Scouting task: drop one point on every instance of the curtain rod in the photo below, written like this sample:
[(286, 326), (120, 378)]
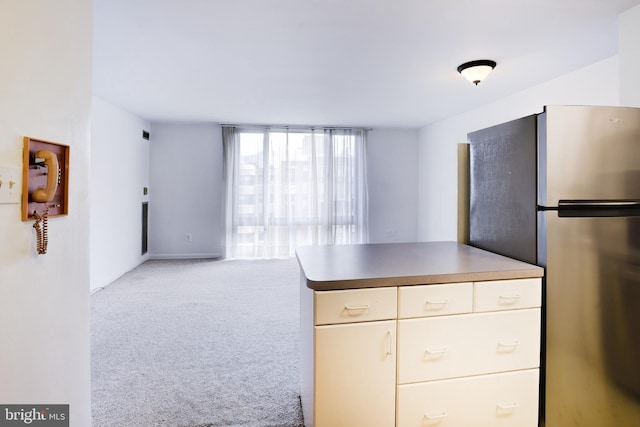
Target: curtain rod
[(294, 127)]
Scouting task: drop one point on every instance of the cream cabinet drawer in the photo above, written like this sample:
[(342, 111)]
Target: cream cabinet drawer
[(467, 344), (507, 399), (435, 300), (355, 305), (507, 294)]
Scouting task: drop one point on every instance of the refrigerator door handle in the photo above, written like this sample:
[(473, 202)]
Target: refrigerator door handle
[(596, 208), (599, 204)]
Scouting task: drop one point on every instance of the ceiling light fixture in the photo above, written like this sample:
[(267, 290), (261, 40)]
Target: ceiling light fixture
[(476, 71)]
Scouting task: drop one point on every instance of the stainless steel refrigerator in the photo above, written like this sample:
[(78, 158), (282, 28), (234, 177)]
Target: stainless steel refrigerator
[(561, 189)]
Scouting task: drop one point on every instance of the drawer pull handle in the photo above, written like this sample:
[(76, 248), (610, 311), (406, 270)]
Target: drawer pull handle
[(389, 343), (436, 416), (437, 350), (508, 343), (437, 301), (508, 299), (356, 307), (513, 405)]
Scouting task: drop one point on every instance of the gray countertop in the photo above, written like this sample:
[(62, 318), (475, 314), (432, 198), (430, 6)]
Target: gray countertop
[(393, 264)]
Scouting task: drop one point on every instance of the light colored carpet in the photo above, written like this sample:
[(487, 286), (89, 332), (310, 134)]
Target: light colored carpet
[(187, 343)]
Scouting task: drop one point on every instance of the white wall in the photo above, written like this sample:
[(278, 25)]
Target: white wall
[(438, 188), (45, 86), (185, 191), (392, 163), (119, 171), (630, 57)]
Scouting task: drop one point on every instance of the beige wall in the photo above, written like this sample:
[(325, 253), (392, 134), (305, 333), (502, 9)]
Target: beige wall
[(45, 93), (463, 192)]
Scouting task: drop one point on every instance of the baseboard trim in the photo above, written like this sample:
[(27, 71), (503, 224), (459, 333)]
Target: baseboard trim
[(184, 256)]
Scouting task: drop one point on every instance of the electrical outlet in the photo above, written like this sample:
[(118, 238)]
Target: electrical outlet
[(10, 184), (187, 237)]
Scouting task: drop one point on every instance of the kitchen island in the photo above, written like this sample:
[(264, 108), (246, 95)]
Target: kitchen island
[(411, 334)]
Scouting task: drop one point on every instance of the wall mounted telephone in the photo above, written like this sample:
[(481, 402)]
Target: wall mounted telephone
[(44, 185), (45, 194)]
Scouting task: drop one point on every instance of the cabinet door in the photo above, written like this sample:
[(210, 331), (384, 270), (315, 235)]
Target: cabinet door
[(355, 375)]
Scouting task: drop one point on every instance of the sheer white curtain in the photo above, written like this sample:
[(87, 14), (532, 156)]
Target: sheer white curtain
[(290, 187)]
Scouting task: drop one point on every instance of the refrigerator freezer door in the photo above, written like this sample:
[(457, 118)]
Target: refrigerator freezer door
[(502, 216), (587, 152), (592, 349)]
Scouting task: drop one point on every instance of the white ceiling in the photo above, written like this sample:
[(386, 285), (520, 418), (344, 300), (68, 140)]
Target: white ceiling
[(377, 63)]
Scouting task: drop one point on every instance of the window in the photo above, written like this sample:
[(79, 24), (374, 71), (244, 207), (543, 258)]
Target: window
[(287, 188)]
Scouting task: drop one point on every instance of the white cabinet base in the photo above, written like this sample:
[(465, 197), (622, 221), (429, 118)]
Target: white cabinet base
[(450, 355)]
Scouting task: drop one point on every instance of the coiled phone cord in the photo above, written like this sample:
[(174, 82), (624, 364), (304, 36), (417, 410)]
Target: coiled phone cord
[(42, 237)]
